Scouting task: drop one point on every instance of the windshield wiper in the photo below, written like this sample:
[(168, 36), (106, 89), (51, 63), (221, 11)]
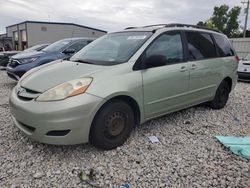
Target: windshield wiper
[(82, 61)]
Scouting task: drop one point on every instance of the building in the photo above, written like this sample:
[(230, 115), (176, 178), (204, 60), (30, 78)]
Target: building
[(5, 42), (30, 33)]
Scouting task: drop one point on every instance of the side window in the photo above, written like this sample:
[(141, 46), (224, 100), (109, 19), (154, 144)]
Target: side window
[(78, 45), (200, 46), (168, 45), (223, 45)]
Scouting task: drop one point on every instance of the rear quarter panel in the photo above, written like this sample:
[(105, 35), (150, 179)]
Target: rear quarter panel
[(228, 69)]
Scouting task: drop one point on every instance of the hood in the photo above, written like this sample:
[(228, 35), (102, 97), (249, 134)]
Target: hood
[(24, 55), (244, 62), (51, 75), (9, 53)]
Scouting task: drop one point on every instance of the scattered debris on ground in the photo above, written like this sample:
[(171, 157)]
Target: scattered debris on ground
[(187, 156)]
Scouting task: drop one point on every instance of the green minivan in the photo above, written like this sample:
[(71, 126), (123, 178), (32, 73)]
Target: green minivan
[(123, 79)]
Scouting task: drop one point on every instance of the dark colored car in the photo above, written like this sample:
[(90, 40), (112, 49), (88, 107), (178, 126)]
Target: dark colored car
[(38, 47), (5, 56), (62, 49)]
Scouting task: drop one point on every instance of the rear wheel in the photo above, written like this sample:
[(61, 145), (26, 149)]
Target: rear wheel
[(112, 125), (221, 96)]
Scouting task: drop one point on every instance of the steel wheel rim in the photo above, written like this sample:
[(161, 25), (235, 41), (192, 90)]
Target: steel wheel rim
[(114, 124)]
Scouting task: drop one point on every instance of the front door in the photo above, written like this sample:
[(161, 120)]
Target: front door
[(165, 87)]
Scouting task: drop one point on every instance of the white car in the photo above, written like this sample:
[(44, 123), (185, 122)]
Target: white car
[(244, 68)]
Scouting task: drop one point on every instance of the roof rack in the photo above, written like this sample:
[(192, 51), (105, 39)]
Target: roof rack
[(177, 25), (130, 28), (193, 26)]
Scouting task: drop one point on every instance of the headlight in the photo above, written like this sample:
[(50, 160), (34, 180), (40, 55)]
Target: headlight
[(65, 90), (27, 60)]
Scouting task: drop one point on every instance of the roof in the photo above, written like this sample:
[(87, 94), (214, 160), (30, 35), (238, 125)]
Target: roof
[(59, 23), (178, 26)]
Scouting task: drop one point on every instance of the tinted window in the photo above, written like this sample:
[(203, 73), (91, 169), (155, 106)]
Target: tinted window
[(223, 45), (78, 45), (168, 45), (200, 46), (57, 46)]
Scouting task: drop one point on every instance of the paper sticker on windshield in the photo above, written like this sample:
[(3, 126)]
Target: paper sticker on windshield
[(137, 37)]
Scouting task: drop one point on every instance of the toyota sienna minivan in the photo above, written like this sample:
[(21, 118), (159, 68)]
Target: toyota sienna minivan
[(123, 79)]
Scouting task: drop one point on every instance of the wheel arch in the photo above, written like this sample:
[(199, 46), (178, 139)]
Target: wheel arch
[(130, 101), (229, 81)]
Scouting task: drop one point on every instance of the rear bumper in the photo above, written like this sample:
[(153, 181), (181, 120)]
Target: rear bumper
[(244, 76)]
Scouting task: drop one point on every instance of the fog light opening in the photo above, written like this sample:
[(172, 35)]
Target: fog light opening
[(58, 133)]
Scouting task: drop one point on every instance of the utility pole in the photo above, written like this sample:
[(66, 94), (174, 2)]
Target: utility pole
[(246, 19)]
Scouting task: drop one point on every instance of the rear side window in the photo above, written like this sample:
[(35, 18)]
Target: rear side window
[(200, 46), (223, 45), (168, 45)]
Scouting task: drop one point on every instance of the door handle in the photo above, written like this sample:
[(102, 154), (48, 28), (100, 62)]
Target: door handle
[(183, 69), (193, 66)]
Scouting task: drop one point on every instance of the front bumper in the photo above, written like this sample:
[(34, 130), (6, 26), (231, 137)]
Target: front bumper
[(244, 76), (69, 120), (2, 68), (14, 74)]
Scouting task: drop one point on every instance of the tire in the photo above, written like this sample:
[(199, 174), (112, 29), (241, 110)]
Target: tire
[(221, 96), (112, 125)]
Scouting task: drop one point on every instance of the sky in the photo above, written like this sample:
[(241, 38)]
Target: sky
[(110, 15)]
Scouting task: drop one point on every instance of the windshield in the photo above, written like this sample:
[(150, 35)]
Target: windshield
[(112, 49), (32, 48), (57, 46)]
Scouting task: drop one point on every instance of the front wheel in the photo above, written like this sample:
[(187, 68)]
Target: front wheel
[(112, 125), (221, 96)]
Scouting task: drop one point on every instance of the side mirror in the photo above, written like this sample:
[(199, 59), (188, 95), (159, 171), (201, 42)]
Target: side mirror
[(155, 61), (69, 51)]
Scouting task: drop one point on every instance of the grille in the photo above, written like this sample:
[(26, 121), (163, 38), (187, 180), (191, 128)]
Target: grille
[(26, 94), (246, 63), (13, 63)]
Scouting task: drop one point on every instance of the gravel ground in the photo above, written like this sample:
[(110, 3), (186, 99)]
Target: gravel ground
[(187, 155)]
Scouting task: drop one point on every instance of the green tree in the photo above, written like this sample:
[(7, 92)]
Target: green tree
[(220, 17), (224, 19)]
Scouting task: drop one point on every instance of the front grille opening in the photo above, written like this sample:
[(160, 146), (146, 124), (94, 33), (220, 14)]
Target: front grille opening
[(58, 132), (24, 98), (31, 91), (26, 94), (27, 127)]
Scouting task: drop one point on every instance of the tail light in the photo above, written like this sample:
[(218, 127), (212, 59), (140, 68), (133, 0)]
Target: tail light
[(237, 59)]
